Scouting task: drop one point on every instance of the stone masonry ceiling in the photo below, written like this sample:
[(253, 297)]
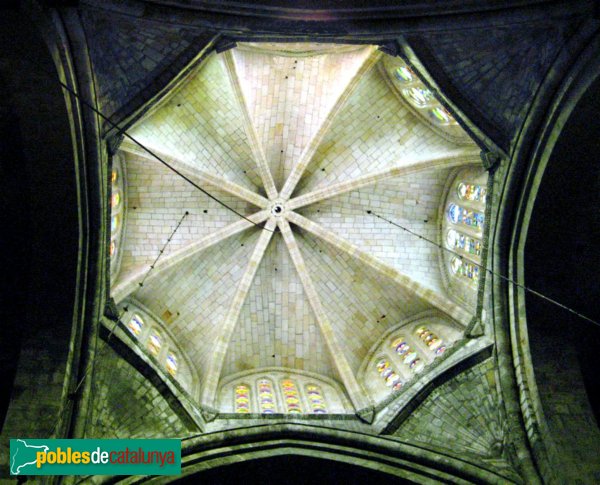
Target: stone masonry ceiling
[(303, 140)]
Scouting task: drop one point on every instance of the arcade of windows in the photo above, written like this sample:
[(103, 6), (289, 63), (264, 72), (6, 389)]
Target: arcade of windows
[(152, 341), (116, 213), (287, 397), (402, 353), (463, 228)]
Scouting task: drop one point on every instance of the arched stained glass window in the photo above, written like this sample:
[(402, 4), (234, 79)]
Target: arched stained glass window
[(291, 397), (466, 217), (135, 325), (418, 96), (409, 356), (172, 364), (114, 223), (265, 396), (464, 269), (154, 343), (441, 116), (463, 243), (116, 207), (386, 371), (115, 200), (242, 399), (405, 74), (472, 192), (316, 399), (434, 343)]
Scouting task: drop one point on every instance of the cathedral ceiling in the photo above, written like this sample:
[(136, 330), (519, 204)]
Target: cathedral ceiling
[(300, 141)]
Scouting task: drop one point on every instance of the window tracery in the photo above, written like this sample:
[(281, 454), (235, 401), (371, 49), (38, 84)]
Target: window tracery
[(472, 192), (171, 364), (433, 342), (291, 397), (405, 74), (441, 116), (116, 211), (154, 343), (135, 325), (408, 355), (464, 269), (388, 374), (266, 397), (422, 98), (316, 399), (467, 217), (463, 243), (297, 394), (463, 226), (242, 399), (419, 96)]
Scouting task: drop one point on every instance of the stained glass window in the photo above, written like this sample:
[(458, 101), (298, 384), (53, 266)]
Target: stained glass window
[(154, 343), (408, 355), (242, 399), (405, 74), (316, 399), (434, 343), (441, 116), (386, 371), (466, 217), (115, 199), (116, 219), (135, 325), (291, 397), (464, 269), (114, 223), (418, 96), (472, 192), (266, 397), (463, 243), (172, 364)]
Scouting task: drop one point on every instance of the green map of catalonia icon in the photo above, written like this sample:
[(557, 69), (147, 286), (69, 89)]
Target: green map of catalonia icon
[(24, 455)]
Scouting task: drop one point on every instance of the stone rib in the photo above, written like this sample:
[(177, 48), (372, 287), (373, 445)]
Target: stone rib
[(255, 146), (456, 159), (311, 148), (213, 373), (353, 388), (440, 302), (130, 282), (198, 176)]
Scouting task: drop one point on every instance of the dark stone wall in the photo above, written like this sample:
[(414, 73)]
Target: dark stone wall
[(127, 405), (133, 58), (462, 417), (39, 232), (562, 261), (493, 74)]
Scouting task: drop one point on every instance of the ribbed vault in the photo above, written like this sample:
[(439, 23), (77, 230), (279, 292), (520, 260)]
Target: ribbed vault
[(303, 140)]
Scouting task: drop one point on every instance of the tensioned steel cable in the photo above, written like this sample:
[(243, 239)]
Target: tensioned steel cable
[(160, 253), (505, 278), (125, 309), (150, 152)]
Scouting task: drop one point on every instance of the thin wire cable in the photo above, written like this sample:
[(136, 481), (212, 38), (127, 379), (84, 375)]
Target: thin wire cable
[(104, 344), (506, 278), (146, 149), (160, 253)]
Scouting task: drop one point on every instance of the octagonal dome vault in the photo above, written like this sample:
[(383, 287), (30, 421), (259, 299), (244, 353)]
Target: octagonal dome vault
[(289, 290)]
